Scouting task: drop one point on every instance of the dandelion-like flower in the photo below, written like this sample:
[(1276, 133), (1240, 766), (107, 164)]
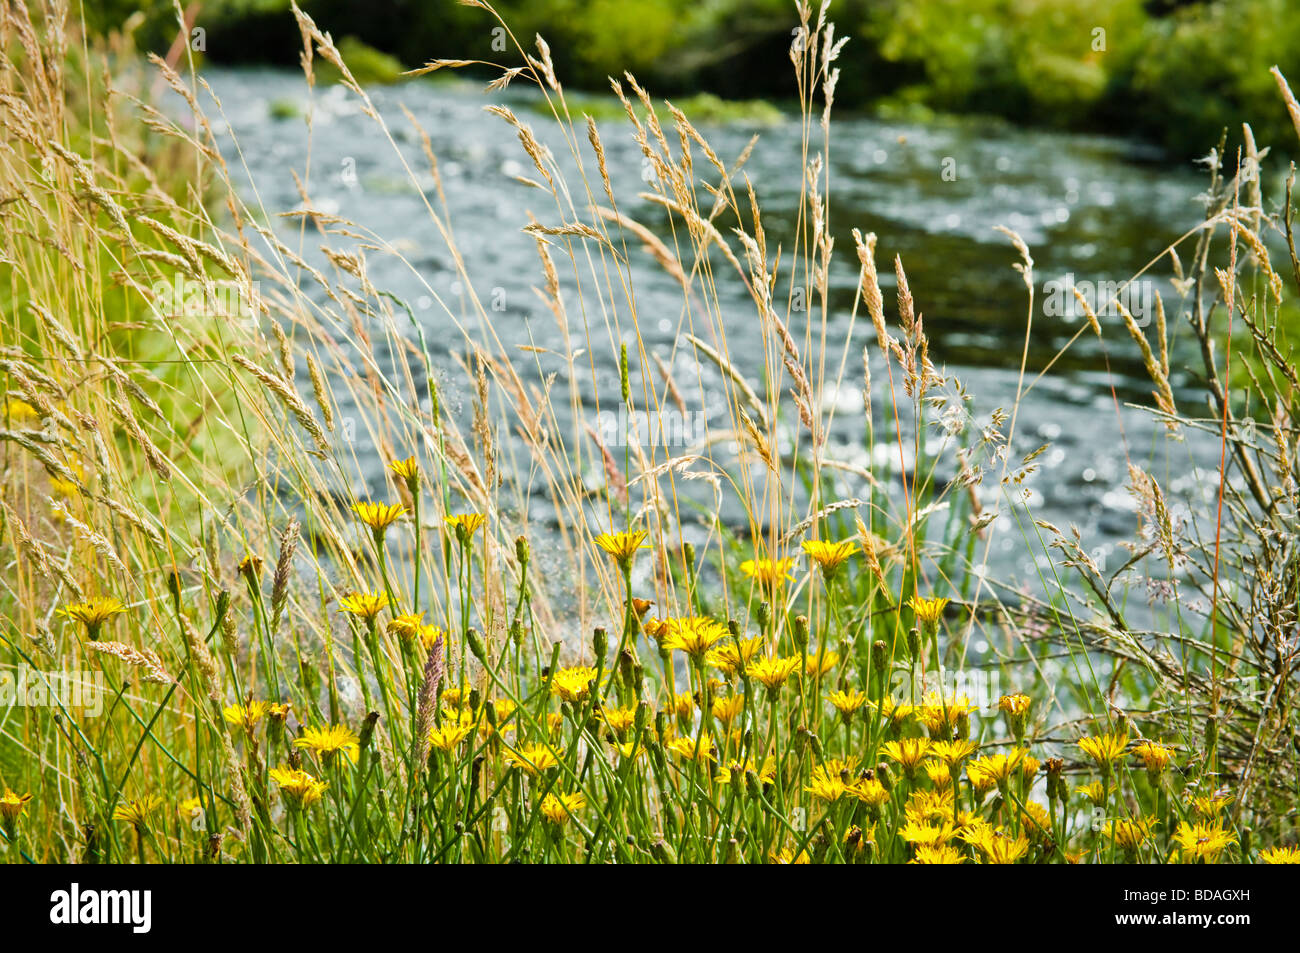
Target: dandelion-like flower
[(998, 768), (769, 573), (12, 805), (298, 788), (908, 752), (699, 749), (680, 705), (1280, 855), (250, 567), (819, 663), (766, 774), (945, 718), (408, 471), (870, 792), (378, 516), (573, 684), (927, 835), (1014, 705), (952, 753), (465, 525), (730, 657), (1210, 806), (728, 708), (828, 782), (329, 741), (1154, 757), (928, 611), (532, 759), (137, 812), (1105, 749), (894, 713), (847, 702), (364, 605), (446, 737), (997, 846), (93, 613), (937, 854), (773, 672), (940, 774), (559, 808), (1094, 792), (930, 806), (246, 716), (787, 856), (621, 547), (692, 636), (1203, 841), (1129, 835), (829, 556)]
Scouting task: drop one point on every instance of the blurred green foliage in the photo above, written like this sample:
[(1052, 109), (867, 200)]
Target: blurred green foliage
[(1176, 71)]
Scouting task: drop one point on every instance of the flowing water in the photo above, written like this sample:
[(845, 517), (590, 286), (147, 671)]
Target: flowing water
[(1092, 207)]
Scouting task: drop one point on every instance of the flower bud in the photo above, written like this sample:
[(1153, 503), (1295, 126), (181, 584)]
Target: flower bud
[(367, 732), (914, 643), (801, 632), (476, 646), (663, 852)]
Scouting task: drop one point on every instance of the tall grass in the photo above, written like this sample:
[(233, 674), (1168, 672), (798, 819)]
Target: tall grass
[(302, 668)]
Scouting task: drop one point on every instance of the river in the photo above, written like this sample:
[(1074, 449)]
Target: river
[(1095, 208)]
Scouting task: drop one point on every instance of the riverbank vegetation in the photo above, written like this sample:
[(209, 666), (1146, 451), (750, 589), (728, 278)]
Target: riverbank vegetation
[(1174, 72), (294, 666)]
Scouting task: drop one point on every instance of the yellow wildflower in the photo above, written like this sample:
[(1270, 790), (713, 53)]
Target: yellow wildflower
[(937, 854), (465, 525), (137, 812), (928, 611), (819, 663), (11, 805), (329, 741), (829, 556), (847, 702), (1203, 841), (908, 752), (447, 736), (621, 547), (769, 572), (693, 636), (773, 672), (406, 470), (94, 612), (693, 749), (1276, 855), (573, 684), (730, 657), (1105, 749), (298, 788), (558, 808), (533, 759), (1129, 835), (728, 709), (246, 716), (379, 516), (364, 605)]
